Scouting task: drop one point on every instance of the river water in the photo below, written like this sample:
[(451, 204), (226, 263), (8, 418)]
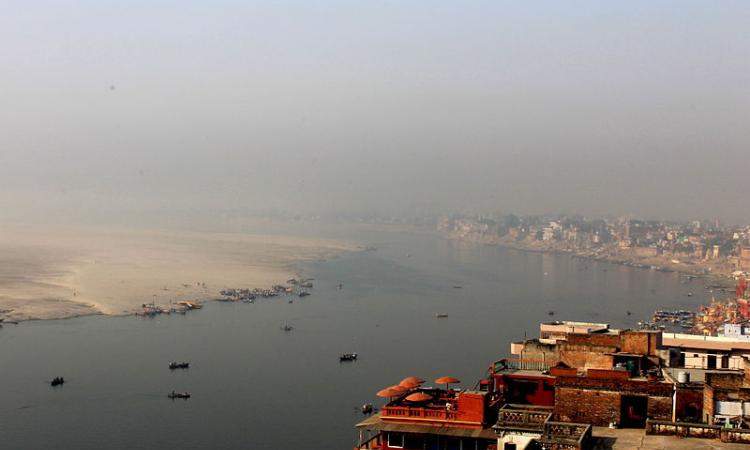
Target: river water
[(256, 386)]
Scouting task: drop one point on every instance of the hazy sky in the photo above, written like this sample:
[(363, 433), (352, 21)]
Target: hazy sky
[(639, 107)]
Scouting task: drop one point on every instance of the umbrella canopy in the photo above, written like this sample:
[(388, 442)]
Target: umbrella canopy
[(411, 382), (418, 397), (389, 392), (447, 380)]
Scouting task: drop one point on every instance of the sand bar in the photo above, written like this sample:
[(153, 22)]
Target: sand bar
[(59, 272)]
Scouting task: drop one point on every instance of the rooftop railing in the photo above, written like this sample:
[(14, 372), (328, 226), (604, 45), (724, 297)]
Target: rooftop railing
[(521, 364), (407, 412), (522, 419)]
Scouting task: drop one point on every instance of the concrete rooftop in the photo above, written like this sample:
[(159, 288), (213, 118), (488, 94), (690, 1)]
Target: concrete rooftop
[(633, 439)]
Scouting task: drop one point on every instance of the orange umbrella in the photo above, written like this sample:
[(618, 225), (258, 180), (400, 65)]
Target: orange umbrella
[(389, 392), (418, 397), (447, 381), (411, 382)]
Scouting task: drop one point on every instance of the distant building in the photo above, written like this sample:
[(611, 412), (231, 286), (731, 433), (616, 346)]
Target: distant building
[(744, 258), (707, 352)]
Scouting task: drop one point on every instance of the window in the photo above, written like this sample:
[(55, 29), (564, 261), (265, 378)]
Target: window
[(396, 440)]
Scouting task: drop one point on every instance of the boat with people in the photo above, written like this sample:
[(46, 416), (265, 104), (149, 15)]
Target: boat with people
[(347, 357), (57, 381), (181, 365), (173, 395)]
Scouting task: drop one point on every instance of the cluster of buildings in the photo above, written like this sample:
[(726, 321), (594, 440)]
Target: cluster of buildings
[(716, 247), (553, 391)]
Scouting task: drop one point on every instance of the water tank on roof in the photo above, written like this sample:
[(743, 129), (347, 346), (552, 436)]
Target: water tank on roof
[(683, 377)]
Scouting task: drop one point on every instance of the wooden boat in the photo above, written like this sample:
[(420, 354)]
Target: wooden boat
[(173, 395), (348, 357), (190, 305)]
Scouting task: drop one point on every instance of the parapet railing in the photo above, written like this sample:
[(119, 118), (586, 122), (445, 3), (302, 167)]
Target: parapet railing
[(521, 364), (407, 412), (564, 435), (526, 420), (684, 429)]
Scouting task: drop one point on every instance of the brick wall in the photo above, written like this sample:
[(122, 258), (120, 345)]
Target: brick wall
[(728, 395), (584, 356), (586, 406), (660, 408), (708, 404), (604, 340), (651, 388), (640, 342), (535, 350), (724, 380), (599, 408)]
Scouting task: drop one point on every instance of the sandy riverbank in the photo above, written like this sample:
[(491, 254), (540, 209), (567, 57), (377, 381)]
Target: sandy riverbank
[(48, 273)]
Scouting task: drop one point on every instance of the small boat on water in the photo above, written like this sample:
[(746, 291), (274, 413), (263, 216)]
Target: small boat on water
[(190, 305), (287, 327), (347, 357), (456, 286), (181, 365), (57, 381), (441, 315), (173, 395), (303, 294)]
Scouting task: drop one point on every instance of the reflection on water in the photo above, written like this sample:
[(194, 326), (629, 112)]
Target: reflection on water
[(256, 386)]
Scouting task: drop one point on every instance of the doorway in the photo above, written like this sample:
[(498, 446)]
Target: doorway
[(633, 409)]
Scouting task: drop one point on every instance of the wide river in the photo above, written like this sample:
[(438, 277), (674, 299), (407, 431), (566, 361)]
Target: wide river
[(256, 386)]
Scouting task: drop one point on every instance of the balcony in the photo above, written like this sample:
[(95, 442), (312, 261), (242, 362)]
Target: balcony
[(446, 408)]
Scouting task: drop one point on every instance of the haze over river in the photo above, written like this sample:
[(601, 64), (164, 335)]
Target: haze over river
[(256, 386)]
